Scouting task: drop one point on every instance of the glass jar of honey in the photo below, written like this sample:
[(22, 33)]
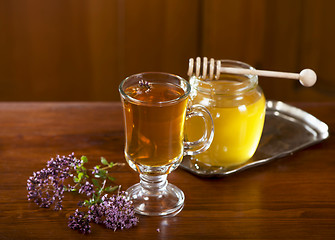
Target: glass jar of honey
[(237, 105)]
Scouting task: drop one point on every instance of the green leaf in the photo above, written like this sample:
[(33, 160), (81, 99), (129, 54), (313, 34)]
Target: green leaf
[(80, 176), (75, 179), (102, 173), (95, 182), (111, 189), (92, 201), (111, 178), (84, 159), (104, 161), (111, 164)]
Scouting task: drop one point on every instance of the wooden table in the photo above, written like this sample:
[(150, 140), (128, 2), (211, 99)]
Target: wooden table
[(289, 198)]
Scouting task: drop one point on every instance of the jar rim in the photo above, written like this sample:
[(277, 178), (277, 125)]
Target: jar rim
[(239, 85)]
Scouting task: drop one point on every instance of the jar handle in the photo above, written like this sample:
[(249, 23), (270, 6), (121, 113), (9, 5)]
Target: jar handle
[(202, 144)]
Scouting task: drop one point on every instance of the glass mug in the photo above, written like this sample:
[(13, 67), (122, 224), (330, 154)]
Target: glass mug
[(155, 107), (237, 105)]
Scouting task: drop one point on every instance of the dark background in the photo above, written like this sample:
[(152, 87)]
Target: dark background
[(77, 50)]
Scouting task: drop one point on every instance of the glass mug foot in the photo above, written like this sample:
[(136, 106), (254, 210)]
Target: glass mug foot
[(154, 196)]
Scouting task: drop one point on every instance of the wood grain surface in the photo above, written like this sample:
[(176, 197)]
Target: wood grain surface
[(290, 198)]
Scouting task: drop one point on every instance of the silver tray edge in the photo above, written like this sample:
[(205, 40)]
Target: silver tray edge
[(285, 110)]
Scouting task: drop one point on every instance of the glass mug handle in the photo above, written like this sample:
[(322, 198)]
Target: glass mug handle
[(202, 144)]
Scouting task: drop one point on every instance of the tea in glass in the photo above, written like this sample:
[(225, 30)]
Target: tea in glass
[(155, 107), (154, 134)]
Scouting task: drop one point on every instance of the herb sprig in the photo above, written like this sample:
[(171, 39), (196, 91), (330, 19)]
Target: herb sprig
[(146, 86), (47, 186)]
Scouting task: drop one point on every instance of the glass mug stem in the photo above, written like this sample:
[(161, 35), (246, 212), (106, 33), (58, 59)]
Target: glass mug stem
[(155, 111), (154, 196)]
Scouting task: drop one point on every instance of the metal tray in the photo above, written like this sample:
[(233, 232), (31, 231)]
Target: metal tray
[(287, 129)]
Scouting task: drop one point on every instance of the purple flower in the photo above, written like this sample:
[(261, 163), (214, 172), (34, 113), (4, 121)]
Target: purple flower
[(144, 85), (118, 211), (46, 187), (96, 213), (95, 170), (80, 222), (87, 189), (114, 212)]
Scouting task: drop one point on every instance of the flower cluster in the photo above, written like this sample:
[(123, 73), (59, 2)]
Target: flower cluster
[(87, 189), (114, 212), (118, 212), (144, 85), (47, 186), (80, 222)]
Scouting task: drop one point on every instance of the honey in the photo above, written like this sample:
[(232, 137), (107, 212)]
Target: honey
[(237, 105)]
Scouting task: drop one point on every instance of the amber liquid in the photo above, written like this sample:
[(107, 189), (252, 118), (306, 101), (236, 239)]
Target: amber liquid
[(154, 130)]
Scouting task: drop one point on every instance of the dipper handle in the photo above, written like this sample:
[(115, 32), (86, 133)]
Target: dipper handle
[(306, 77)]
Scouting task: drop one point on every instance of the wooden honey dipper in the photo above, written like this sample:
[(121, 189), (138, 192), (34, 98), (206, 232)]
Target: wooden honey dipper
[(306, 77)]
